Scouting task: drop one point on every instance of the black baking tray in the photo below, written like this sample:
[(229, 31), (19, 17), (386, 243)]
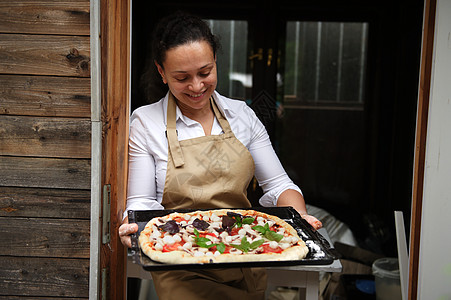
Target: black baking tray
[(320, 250)]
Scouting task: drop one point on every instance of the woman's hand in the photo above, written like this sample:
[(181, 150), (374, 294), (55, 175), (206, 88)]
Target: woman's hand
[(296, 200), (312, 221), (125, 230)]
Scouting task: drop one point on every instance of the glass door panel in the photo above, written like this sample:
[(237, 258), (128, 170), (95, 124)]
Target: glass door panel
[(234, 80), (320, 132), (325, 63)]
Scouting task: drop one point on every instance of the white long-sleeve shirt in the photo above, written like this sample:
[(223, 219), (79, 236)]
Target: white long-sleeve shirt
[(148, 151)]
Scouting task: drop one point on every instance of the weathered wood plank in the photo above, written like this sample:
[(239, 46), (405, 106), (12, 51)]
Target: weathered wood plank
[(27, 276), (44, 55), (45, 203), (45, 172), (45, 17), (45, 137), (45, 96), (43, 237), (34, 298)]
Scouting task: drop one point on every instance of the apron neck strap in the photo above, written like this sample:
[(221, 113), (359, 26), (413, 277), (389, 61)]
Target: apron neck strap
[(221, 119), (171, 129), (171, 134)]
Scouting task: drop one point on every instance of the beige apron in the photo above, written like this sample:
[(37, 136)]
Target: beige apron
[(207, 172)]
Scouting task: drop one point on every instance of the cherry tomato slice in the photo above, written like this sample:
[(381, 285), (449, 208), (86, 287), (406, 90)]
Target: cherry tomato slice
[(178, 219), (268, 249), (234, 231), (227, 249), (169, 248)]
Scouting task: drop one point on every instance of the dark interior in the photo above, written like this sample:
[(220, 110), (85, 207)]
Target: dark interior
[(359, 173)]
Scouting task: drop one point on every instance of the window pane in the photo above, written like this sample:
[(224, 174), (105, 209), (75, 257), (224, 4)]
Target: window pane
[(325, 63), (233, 80)]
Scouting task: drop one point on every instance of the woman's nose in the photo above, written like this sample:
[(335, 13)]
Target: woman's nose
[(196, 85)]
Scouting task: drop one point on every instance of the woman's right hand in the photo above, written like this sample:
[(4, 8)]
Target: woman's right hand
[(125, 230)]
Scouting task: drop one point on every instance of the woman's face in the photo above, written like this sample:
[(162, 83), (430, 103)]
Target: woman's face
[(190, 72)]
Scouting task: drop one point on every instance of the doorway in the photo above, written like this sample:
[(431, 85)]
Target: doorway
[(335, 88)]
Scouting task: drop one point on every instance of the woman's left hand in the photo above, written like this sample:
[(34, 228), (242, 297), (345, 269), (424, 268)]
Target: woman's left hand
[(295, 199), (313, 221)]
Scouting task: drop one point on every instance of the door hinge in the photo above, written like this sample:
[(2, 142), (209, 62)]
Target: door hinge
[(106, 213)]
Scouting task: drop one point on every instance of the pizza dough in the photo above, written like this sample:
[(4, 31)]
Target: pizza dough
[(221, 235)]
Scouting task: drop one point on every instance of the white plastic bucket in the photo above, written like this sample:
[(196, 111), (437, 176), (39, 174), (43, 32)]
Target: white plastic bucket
[(387, 279)]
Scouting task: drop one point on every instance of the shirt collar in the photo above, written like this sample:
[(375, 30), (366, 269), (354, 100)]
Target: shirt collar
[(223, 105)]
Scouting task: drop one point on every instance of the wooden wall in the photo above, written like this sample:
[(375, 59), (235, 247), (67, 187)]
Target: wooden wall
[(45, 148)]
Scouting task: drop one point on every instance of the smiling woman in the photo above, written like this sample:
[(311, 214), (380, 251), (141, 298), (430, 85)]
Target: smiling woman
[(377, 169), (195, 148)]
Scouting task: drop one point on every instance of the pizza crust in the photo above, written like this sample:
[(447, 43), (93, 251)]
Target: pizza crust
[(151, 234)]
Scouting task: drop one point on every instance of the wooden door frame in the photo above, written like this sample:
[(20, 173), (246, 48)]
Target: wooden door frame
[(115, 90), (427, 52)]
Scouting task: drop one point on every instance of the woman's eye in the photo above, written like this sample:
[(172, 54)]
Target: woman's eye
[(181, 79), (204, 74)]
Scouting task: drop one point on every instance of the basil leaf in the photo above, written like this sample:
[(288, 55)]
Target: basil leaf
[(227, 222), (200, 224), (256, 244), (259, 228), (238, 221), (202, 242), (237, 247), (244, 246), (244, 242), (273, 236), (267, 233), (202, 239), (220, 247), (170, 226), (204, 245), (248, 220)]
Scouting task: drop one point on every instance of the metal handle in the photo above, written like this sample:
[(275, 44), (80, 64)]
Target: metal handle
[(269, 57), (258, 55)]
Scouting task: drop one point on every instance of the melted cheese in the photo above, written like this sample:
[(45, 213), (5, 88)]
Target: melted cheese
[(186, 236)]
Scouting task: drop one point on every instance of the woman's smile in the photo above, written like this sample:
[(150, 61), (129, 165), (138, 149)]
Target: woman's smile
[(196, 96)]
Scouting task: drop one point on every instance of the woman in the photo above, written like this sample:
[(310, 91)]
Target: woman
[(197, 149)]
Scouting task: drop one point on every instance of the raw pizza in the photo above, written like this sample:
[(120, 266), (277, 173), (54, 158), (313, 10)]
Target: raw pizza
[(221, 235)]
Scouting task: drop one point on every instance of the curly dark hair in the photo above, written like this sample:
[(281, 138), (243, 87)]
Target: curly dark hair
[(178, 29), (171, 31)]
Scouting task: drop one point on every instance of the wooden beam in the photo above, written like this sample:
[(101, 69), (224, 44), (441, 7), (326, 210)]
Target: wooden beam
[(420, 144), (115, 53)]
